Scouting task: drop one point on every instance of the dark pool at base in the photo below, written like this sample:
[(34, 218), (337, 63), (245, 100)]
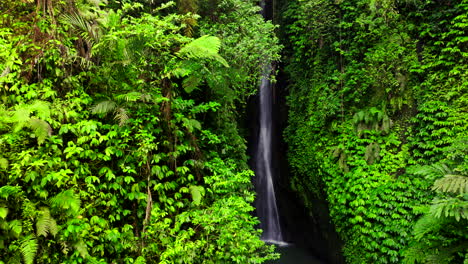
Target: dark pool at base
[(293, 255)]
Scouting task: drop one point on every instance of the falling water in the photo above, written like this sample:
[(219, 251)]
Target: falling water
[(267, 210)]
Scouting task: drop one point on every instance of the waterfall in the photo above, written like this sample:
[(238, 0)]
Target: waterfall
[(267, 210)]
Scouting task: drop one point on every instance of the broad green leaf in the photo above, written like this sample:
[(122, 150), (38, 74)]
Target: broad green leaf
[(3, 212)]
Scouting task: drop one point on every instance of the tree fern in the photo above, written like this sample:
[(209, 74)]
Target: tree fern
[(457, 184), (32, 116), (28, 248), (206, 47), (46, 223), (450, 207), (433, 171), (120, 113)]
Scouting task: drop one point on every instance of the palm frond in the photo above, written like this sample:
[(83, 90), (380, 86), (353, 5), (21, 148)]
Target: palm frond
[(87, 30)]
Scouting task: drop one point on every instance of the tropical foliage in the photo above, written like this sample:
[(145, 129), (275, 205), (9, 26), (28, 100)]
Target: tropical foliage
[(113, 135), (377, 98)]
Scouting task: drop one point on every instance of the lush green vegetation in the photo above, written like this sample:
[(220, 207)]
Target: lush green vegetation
[(121, 137), (117, 131), (378, 123)]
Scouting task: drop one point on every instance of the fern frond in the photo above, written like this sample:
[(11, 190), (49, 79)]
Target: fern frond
[(431, 171), (28, 249), (121, 115), (414, 253), (65, 248), (426, 224), (457, 184), (197, 194), (104, 107), (206, 47), (41, 108), (41, 129), (46, 223), (7, 190), (129, 97), (80, 246), (66, 200), (451, 207), (85, 29), (16, 226)]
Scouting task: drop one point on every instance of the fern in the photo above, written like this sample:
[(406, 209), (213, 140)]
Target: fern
[(129, 97), (104, 107), (28, 249), (16, 226), (67, 200), (21, 117), (80, 246), (197, 194), (457, 184), (431, 171), (426, 224), (205, 47), (6, 191), (46, 223), (121, 115), (41, 129), (451, 207)]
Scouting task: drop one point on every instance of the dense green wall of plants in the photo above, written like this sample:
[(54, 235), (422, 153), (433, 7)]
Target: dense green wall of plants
[(378, 123), (119, 135)]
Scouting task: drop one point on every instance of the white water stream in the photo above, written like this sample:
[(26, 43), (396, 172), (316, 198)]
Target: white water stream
[(267, 209)]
